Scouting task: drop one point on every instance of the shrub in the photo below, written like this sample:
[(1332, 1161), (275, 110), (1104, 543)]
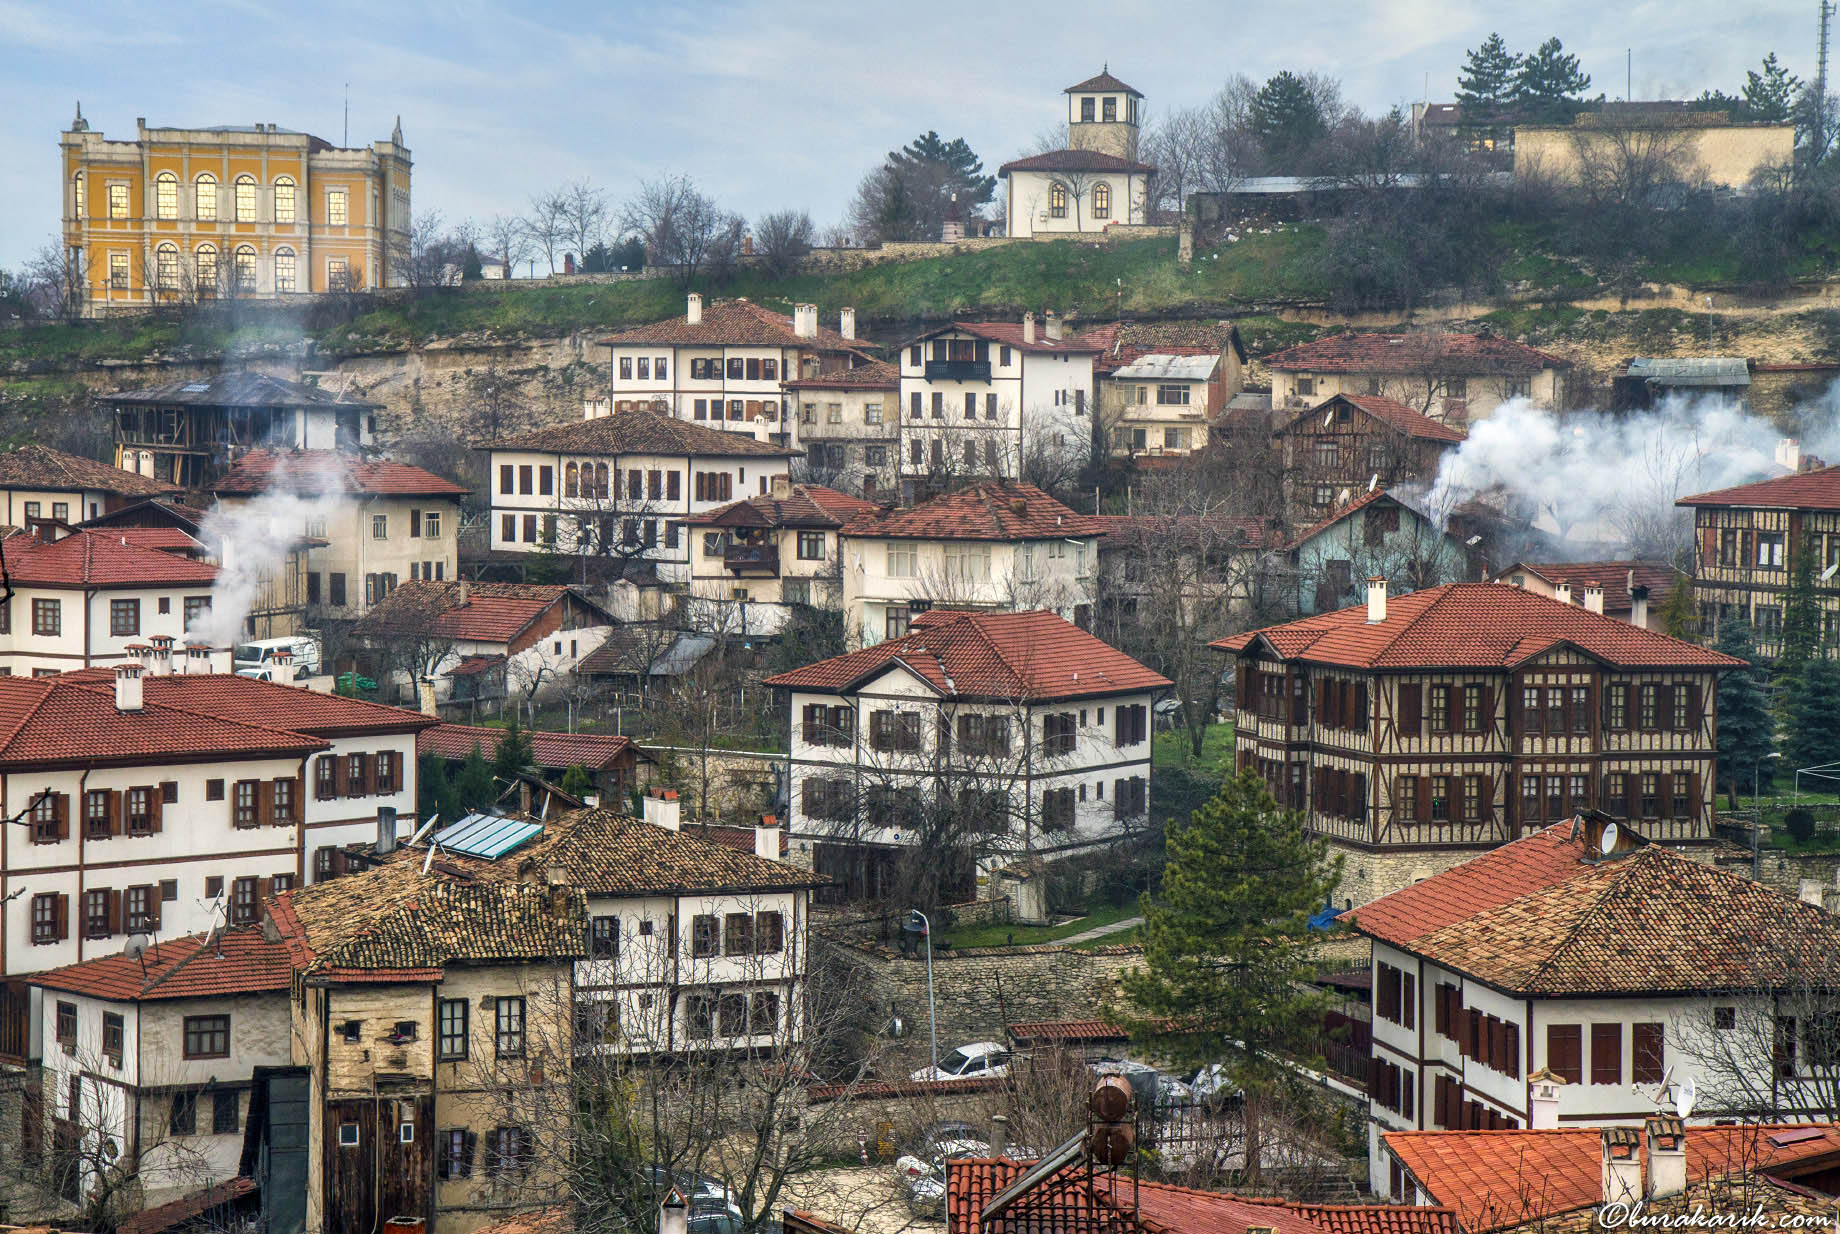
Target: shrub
[(1799, 823)]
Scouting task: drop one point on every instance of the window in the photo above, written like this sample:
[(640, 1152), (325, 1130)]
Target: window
[(79, 199), (1086, 109), (245, 199), (763, 1014), (1770, 550), (769, 933), (112, 1033), (903, 561), (1649, 706), (738, 934), (703, 936), (48, 818), (509, 1031), (225, 1111), (1440, 799), (124, 617), (1102, 201), (1565, 1052), (1057, 200), (118, 271), (118, 200), (205, 198), (512, 1151), (967, 563), (207, 1036), (1606, 1053), (281, 806), (456, 1154), (243, 265), (604, 938), (284, 201), (245, 901), (1723, 1018), (380, 526), (50, 920), (246, 810), (143, 909), (338, 274), (166, 195), (285, 277), (895, 621), (206, 262), (1439, 697), (337, 214), (451, 1027), (67, 1023), (166, 267), (100, 908), (184, 1117)]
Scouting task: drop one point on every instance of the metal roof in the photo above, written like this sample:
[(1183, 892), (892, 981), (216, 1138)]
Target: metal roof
[(1169, 368), (486, 835), (1692, 371)]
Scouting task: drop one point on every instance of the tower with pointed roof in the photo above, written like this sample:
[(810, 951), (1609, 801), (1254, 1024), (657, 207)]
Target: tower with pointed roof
[(1102, 114)]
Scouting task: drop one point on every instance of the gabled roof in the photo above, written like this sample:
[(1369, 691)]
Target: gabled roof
[(639, 432), (393, 923), (1691, 371), (149, 512), (804, 505), (1805, 490), (549, 750), (234, 390), (1497, 1180), (99, 559), (1615, 577), (735, 323), (40, 467), (1499, 876), (1472, 625), (1125, 341), (999, 511), (877, 375), (1165, 366), (1010, 334), (1483, 353), (1390, 412), (239, 961), (1075, 160), (332, 471), (1032, 657), (1103, 82), (248, 701), (1376, 496), (467, 611)]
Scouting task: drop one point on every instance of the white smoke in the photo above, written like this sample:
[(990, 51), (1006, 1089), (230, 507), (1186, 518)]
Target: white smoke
[(255, 536), (1607, 482)]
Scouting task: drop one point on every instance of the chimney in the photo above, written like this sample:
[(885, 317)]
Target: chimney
[(782, 486), (1593, 596), (197, 658), (568, 263), (1667, 1156), (673, 1215), (1563, 593), (424, 696), (999, 1134), (1812, 891), (466, 594), (1638, 607), (766, 837), (694, 314), (128, 687), (1622, 1158), (1028, 327), (846, 323), (662, 808), (1019, 505), (386, 830), (1051, 325), (1545, 1086), (1376, 600), (805, 320), (160, 656)]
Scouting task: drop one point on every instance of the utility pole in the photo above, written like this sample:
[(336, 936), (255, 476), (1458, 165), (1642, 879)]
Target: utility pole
[(1820, 81)]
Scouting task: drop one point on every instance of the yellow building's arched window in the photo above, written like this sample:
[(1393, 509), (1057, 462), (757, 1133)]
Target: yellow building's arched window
[(245, 199), (1102, 201), (166, 196), (245, 267), (207, 271), (166, 267), (285, 267), (206, 204), (1057, 200), (284, 199), (79, 196)]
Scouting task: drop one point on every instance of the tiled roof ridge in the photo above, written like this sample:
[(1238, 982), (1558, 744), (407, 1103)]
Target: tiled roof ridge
[(107, 694), (155, 982)]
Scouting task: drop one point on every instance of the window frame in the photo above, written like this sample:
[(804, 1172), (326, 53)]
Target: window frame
[(201, 1036)]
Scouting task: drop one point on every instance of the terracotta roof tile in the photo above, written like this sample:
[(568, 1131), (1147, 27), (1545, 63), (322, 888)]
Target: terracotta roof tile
[(1104, 81), (1805, 490), (41, 467), (491, 612), (735, 323), (640, 432), (99, 559), (804, 505), (240, 961), (1612, 576), (1411, 353), (551, 750), (1006, 511), (1009, 333), (1359, 503), (1036, 1031), (1497, 1180), (1013, 656), (265, 702), (1548, 856), (1074, 160), (165, 539), (1390, 412), (876, 375), (1472, 625), (329, 471), (174, 1212)]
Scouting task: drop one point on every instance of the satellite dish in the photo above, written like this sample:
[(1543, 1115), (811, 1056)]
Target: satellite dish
[(1472, 542), (424, 829), (1328, 417), (1607, 843), (1372, 481), (1683, 1100), (1829, 572), (136, 944)]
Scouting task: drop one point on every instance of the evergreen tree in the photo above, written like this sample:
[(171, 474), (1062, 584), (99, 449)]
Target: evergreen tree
[(1287, 119), (1747, 732), (578, 781), (474, 787), (1549, 82), (1227, 946), (1801, 628), (471, 267), (1769, 96), (909, 195), (1680, 618), (515, 753), (1486, 85), (1814, 716)]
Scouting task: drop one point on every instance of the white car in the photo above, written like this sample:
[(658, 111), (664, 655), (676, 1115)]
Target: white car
[(980, 1058)]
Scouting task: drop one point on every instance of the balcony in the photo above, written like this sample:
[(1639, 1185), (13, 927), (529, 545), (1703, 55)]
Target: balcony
[(958, 370), (752, 558)]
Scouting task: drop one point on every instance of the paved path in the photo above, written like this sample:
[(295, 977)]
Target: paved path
[(1117, 927)]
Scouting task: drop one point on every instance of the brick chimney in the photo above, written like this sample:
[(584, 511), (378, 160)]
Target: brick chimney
[(693, 314), (128, 686), (1376, 600), (1622, 1162), (663, 809), (1028, 327)]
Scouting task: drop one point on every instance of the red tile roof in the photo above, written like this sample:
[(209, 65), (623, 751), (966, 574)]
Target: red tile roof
[(1497, 877), (1359, 503), (1805, 490), (1010, 334), (40, 467), (1004, 511), (239, 961), (1013, 656), (1472, 625), (490, 613), (165, 1216), (876, 375), (332, 471), (1066, 1030), (1104, 81), (640, 432), (99, 559), (1074, 160), (550, 750), (1496, 1180), (735, 323), (805, 505), (1390, 412), (1412, 353), (1612, 576), (165, 539), (266, 702)]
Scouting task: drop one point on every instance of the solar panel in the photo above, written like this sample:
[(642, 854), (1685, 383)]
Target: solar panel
[(196, 387), (486, 835)]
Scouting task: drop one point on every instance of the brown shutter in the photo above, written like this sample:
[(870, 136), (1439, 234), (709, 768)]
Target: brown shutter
[(1632, 794), (1694, 715), (153, 907), (265, 802), (1513, 1068), (1422, 807), (341, 781), (1517, 713), (1607, 1053), (1487, 792), (61, 918), (1665, 783), (114, 912), (1411, 710), (370, 776), (300, 797), (1696, 802), (115, 812), (156, 807)]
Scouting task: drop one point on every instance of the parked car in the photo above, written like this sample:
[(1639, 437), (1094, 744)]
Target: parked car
[(1157, 1092), (922, 1174), (1213, 1087), (980, 1058), (704, 1193), (261, 653)]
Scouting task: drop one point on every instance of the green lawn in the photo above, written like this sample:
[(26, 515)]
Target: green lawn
[(1002, 935), (1173, 749)]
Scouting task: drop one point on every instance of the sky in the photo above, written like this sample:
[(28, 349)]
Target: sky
[(767, 105)]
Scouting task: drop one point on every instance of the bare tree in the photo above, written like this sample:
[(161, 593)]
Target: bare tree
[(55, 280), (1629, 162), (505, 239), (585, 215), (423, 255), (683, 228), (781, 239), (546, 225)]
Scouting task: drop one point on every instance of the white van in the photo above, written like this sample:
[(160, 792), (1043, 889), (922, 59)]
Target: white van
[(261, 654)]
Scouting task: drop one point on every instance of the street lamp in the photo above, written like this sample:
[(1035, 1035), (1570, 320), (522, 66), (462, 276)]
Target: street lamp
[(1757, 822), (932, 1029)]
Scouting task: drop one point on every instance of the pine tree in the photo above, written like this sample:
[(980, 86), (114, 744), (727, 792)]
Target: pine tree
[(1814, 716), (1747, 731), (578, 781), (1801, 628), (1549, 82), (474, 787), (1287, 119), (1769, 96), (1227, 945), (1680, 618), (1486, 84), (515, 754)]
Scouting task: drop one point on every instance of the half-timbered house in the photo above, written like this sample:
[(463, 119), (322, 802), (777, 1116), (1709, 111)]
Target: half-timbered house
[(1354, 442), (1416, 730)]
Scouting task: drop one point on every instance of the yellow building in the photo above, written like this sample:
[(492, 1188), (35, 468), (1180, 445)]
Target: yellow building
[(229, 211), (1622, 146)]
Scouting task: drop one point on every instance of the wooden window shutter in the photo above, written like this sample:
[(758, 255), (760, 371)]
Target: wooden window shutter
[(1422, 807), (1693, 705), (300, 797), (1345, 713), (1696, 802), (265, 803), (153, 906), (811, 723), (1632, 794), (1411, 709), (1513, 1051), (114, 912), (1607, 1053), (370, 777), (1486, 789), (115, 812), (156, 808), (1488, 709), (340, 779), (61, 918), (1665, 782)]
